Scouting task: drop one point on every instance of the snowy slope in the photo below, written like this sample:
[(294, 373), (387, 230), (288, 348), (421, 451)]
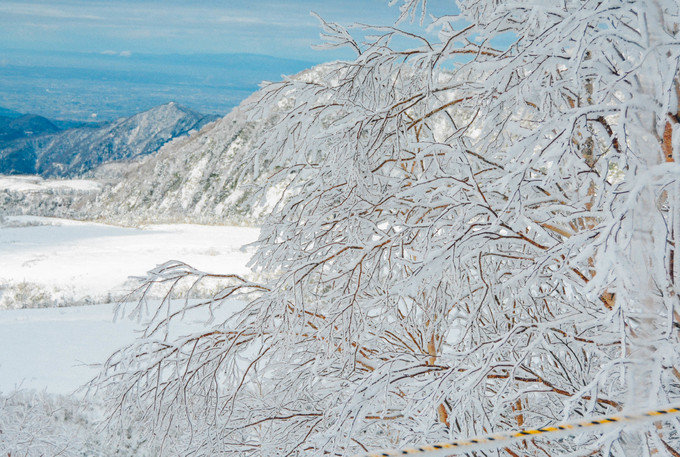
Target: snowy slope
[(56, 260), (49, 348), (196, 179), (190, 179)]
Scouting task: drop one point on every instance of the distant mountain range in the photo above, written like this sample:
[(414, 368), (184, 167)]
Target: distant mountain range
[(24, 126), (191, 179), (32, 144), (141, 169)]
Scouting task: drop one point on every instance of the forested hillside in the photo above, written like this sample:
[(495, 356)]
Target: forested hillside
[(33, 145)]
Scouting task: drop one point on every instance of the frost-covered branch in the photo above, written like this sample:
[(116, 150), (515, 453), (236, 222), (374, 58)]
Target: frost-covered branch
[(474, 236)]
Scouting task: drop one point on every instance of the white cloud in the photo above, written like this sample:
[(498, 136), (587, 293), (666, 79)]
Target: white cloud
[(240, 20), (45, 11), (110, 52)]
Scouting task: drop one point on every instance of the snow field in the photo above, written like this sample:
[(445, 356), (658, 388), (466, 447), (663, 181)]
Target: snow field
[(30, 183), (87, 262), (57, 349)]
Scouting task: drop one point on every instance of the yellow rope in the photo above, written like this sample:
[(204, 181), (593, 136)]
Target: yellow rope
[(496, 440)]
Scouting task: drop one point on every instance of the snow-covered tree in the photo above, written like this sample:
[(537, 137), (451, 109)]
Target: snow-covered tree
[(34, 425), (46, 425), (477, 233)]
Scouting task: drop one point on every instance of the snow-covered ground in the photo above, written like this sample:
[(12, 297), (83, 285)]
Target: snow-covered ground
[(53, 348), (30, 183), (57, 350), (49, 349), (80, 262)]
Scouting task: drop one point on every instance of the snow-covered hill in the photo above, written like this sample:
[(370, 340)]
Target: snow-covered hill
[(190, 179), (76, 151), (196, 179)]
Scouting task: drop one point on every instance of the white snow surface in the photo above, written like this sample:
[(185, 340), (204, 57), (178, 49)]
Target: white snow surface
[(32, 183), (49, 349), (86, 259), (56, 349)]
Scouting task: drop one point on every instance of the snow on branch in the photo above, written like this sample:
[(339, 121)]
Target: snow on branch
[(474, 235)]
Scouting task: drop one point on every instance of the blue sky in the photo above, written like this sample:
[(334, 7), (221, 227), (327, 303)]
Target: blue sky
[(271, 27)]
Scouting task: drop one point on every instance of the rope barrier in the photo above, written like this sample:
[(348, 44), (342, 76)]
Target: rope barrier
[(495, 440)]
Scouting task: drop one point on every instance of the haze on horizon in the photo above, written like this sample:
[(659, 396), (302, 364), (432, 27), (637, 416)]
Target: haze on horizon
[(92, 60)]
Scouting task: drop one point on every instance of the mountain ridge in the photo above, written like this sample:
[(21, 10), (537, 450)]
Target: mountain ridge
[(25, 125), (76, 151)]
